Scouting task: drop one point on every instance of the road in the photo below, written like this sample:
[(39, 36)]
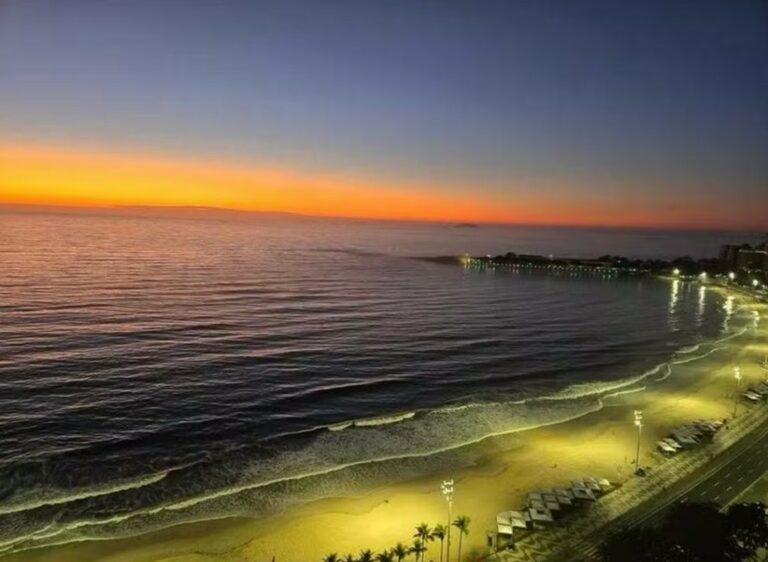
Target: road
[(720, 481), (728, 482)]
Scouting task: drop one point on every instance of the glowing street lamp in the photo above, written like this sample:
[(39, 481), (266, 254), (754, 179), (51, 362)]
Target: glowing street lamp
[(639, 424), (676, 272), (731, 275), (755, 283), (737, 376), (447, 489)]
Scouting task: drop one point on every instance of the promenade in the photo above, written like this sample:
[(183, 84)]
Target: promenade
[(718, 472)]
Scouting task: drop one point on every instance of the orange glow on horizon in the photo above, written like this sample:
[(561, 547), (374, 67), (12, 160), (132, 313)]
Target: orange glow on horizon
[(41, 175), (50, 176)]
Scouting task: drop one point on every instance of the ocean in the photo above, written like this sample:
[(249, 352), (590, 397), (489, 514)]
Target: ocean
[(161, 370)]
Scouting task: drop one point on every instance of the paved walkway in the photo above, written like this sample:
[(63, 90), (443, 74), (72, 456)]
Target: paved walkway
[(704, 469)]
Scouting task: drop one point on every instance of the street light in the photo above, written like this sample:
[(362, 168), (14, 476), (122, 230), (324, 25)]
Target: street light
[(639, 424), (731, 275), (676, 271), (755, 283), (737, 376), (447, 489)]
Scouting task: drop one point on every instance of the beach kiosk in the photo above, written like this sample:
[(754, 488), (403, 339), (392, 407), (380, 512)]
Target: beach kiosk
[(508, 521), (581, 493), (541, 515)]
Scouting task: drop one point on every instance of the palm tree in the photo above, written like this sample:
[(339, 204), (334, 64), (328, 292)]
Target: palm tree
[(462, 524), (439, 532), (365, 556), (350, 558), (418, 548), (386, 556), (332, 557), (424, 534), (400, 551)]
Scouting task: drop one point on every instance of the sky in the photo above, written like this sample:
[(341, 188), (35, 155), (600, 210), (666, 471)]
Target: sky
[(555, 112)]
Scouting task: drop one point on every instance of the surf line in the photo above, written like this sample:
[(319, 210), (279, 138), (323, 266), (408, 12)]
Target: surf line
[(244, 487)]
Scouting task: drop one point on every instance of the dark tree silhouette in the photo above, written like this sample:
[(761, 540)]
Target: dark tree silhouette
[(462, 524), (693, 532), (639, 545), (700, 530), (749, 527), (439, 533), (400, 551)]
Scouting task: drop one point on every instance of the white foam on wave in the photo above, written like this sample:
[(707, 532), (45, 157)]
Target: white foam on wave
[(329, 442), (393, 438), (468, 406), (58, 497), (598, 388), (667, 373), (687, 350), (697, 357), (732, 335), (627, 391), (372, 422)]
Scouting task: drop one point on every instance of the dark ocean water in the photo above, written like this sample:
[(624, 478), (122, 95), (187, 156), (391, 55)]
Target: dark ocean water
[(154, 371)]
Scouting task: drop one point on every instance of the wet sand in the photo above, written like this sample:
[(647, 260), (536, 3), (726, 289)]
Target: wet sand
[(505, 468)]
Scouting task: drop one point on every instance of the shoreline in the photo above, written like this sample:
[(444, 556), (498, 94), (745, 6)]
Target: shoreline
[(502, 469)]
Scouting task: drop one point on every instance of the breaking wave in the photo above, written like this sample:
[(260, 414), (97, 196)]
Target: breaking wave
[(372, 422), (344, 458)]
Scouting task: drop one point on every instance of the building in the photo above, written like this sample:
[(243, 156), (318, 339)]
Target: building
[(729, 255), (744, 258), (753, 260)]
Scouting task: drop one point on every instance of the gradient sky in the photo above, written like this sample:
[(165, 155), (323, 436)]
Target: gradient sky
[(615, 113)]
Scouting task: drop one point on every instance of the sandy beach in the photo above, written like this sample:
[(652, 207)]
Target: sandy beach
[(504, 469)]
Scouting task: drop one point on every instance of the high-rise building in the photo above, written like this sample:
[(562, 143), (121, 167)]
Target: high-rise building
[(729, 255), (744, 257)]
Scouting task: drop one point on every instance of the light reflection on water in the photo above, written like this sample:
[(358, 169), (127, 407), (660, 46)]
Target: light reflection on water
[(148, 362), (702, 304), (674, 296)]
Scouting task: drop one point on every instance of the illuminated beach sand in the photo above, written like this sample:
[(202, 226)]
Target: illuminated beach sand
[(491, 476)]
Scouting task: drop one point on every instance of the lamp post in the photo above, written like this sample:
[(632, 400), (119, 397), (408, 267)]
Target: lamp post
[(737, 376), (447, 489), (731, 276), (639, 424)]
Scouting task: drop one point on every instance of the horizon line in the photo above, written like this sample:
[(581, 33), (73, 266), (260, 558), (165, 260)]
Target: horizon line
[(41, 175), (152, 210)]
